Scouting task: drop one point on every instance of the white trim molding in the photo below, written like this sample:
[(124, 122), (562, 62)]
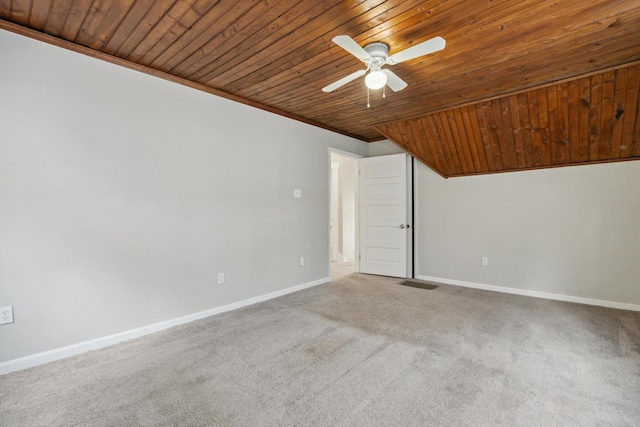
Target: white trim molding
[(82, 347), (536, 294)]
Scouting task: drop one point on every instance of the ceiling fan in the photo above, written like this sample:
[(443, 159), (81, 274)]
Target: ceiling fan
[(375, 55)]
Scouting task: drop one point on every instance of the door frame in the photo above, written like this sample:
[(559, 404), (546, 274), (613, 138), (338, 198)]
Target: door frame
[(355, 157), (415, 214)]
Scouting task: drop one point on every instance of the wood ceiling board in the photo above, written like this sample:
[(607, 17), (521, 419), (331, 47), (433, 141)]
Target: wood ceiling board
[(267, 46), (72, 22), (390, 19), (194, 34), (587, 120), (275, 54), (273, 82), (279, 54), (142, 17), (247, 25)]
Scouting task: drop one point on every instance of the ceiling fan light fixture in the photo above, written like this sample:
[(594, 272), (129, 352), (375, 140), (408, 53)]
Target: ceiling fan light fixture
[(375, 55), (375, 80)]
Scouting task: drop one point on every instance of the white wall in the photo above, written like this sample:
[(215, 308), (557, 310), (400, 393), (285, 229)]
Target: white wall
[(384, 148), (571, 231), (122, 196)]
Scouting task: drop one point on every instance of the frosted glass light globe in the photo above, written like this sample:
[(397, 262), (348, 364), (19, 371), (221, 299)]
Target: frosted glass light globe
[(375, 80)]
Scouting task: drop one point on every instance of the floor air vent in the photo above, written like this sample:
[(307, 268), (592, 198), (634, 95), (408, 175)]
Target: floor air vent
[(418, 284)]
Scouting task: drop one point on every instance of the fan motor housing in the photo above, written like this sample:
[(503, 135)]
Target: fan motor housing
[(377, 50)]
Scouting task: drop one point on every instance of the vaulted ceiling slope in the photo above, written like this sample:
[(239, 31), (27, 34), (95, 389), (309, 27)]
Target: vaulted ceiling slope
[(277, 55), (587, 120)]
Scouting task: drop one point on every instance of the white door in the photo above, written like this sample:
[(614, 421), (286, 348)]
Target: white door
[(385, 236)]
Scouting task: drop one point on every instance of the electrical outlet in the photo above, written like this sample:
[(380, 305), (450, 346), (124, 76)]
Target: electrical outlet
[(220, 278), (485, 261), (6, 315), (301, 261), (297, 193)]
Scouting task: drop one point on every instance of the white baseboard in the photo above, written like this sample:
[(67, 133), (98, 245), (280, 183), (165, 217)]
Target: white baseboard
[(537, 294), (82, 347)]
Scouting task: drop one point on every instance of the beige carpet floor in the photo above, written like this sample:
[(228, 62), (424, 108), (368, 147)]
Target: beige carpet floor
[(359, 351)]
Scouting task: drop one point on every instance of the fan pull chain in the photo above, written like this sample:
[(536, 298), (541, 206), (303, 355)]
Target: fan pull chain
[(368, 104), (384, 95)]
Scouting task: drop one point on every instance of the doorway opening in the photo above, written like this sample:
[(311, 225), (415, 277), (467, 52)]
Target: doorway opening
[(343, 213)]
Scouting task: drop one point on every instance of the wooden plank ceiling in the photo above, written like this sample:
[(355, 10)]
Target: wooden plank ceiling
[(277, 55), (586, 120)]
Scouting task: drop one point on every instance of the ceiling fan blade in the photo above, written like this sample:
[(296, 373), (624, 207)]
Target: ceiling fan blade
[(350, 45), (343, 81), (424, 48), (393, 81)]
